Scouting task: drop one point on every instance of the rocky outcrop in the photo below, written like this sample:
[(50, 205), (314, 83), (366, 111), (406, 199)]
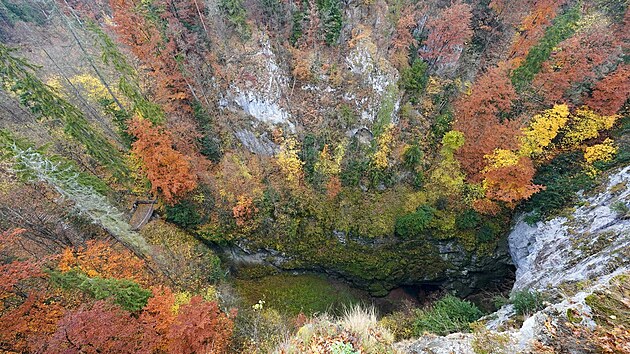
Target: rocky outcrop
[(575, 259), (592, 241), (261, 89)]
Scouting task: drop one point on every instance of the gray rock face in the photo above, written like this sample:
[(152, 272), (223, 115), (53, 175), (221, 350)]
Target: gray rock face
[(460, 343), (260, 145), (592, 242)]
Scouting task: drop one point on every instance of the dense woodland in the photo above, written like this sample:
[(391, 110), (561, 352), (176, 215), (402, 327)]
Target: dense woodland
[(385, 143)]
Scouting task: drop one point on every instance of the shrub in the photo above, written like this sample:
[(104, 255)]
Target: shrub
[(194, 263), (469, 219), (342, 348), (209, 142), (414, 224), (414, 79), (309, 154), (487, 232), (297, 30), (620, 208), (413, 156), (357, 331), (347, 116), (447, 315), (563, 177), (126, 293), (120, 118), (183, 214), (623, 155), (527, 302), (259, 330), (418, 180), (237, 16), (442, 125), (353, 172), (331, 16), (400, 323), (210, 147), (532, 218)]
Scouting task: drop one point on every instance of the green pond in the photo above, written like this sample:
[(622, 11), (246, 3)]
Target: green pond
[(306, 293)]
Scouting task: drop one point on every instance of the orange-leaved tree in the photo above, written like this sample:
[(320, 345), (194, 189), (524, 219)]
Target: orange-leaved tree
[(103, 259), (448, 33), (101, 328), (403, 38), (200, 327), (612, 92), (167, 169), (531, 29), (508, 178), (478, 117), (28, 315), (575, 60)]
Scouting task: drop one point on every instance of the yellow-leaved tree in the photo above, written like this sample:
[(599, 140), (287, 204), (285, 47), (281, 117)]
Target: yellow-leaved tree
[(501, 158), (600, 152), (586, 124), (329, 165), (289, 161), (384, 145), (542, 129), (447, 179)]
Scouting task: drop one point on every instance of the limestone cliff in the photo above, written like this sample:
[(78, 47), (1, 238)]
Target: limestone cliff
[(580, 261)]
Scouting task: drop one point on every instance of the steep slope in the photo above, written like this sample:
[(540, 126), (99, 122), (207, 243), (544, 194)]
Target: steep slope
[(383, 142), (581, 263)]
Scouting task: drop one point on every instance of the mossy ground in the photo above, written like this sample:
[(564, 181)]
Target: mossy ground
[(611, 308), (294, 294)]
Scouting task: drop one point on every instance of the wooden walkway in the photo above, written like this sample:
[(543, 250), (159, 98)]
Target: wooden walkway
[(142, 211)]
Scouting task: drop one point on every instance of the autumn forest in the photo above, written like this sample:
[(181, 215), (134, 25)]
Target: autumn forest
[(297, 176)]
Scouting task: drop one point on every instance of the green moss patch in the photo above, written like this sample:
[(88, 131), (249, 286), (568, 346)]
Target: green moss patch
[(611, 308), (292, 294)]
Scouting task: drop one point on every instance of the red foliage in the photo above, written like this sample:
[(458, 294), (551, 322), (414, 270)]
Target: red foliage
[(101, 328), (477, 117), (8, 240), (448, 32), (333, 187), (511, 184), (403, 38), (95, 9), (486, 206), (26, 319), (511, 12), (200, 327), (146, 42), (310, 38), (612, 92), (573, 62), (13, 273), (27, 327), (158, 316), (168, 170)]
